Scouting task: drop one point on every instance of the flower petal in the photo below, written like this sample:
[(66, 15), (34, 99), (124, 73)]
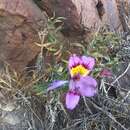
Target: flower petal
[(73, 61), (72, 100), (87, 86), (105, 73), (56, 84), (72, 85), (89, 62)]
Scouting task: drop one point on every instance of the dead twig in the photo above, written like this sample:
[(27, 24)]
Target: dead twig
[(108, 114), (120, 76)]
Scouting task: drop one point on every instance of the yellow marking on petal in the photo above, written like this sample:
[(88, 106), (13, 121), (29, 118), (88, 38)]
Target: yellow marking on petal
[(79, 70)]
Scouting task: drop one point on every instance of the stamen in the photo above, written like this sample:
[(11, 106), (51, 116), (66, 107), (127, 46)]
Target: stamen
[(74, 92), (79, 69)]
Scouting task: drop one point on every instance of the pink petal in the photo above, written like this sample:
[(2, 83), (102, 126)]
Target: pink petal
[(72, 100), (87, 86), (72, 84), (73, 61), (105, 73), (89, 62), (56, 84)]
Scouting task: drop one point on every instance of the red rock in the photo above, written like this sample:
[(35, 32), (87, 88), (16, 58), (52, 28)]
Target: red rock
[(46, 6), (88, 13), (81, 15), (19, 23), (111, 16), (78, 14), (68, 10)]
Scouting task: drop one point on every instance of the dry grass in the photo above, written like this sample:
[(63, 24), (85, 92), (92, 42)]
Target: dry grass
[(25, 104)]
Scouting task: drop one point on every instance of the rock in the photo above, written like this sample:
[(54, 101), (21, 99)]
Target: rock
[(83, 16), (111, 16), (88, 13), (67, 9), (78, 14), (124, 13), (20, 21), (45, 5), (24, 8)]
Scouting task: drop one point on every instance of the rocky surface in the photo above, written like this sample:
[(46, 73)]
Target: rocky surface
[(79, 15), (84, 16), (111, 16), (19, 25), (20, 22)]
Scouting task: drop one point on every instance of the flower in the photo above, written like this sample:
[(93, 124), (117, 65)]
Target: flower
[(105, 73), (80, 84)]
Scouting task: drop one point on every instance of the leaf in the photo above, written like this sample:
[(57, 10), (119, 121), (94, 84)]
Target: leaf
[(40, 88), (43, 45), (78, 45), (51, 38)]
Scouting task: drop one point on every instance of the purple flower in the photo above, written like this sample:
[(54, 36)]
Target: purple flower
[(80, 83)]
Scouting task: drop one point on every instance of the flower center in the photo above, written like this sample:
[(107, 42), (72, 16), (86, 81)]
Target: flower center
[(79, 69), (74, 92)]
